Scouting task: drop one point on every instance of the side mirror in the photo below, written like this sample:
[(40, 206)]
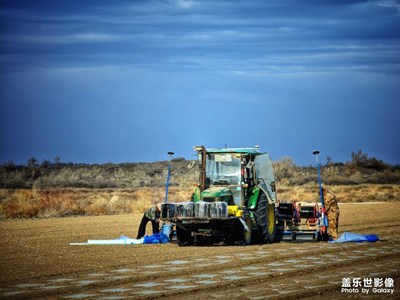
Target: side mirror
[(250, 165), (273, 187)]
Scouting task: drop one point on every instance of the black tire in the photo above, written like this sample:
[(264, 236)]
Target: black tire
[(238, 235), (266, 219), (245, 235), (322, 237), (279, 236), (203, 240), (184, 237), (248, 234)]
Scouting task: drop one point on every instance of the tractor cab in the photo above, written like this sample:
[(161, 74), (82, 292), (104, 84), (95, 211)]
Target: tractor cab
[(234, 176), (223, 178)]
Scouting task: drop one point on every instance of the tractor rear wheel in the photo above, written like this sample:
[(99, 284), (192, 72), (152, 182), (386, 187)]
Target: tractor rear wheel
[(266, 219)]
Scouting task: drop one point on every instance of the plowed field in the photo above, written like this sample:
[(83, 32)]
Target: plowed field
[(38, 262)]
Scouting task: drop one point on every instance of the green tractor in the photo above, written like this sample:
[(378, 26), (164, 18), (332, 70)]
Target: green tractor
[(234, 202)]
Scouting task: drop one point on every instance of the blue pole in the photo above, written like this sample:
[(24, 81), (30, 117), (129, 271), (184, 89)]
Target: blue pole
[(168, 177), (321, 194)]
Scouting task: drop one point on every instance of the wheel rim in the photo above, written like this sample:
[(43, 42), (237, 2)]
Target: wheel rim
[(271, 219), (248, 233)]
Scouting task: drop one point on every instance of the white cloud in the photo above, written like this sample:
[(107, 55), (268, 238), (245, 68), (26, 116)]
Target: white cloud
[(390, 3), (65, 39), (185, 4)]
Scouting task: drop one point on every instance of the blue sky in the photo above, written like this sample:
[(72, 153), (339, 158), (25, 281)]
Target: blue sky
[(127, 81)]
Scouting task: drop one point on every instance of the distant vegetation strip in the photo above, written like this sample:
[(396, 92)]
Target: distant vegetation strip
[(59, 189), (62, 202), (360, 170)]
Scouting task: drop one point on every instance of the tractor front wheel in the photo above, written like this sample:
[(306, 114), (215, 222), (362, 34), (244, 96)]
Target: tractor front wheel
[(248, 230), (241, 231), (245, 232)]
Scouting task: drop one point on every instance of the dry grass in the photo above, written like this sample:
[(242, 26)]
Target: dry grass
[(121, 176), (344, 193), (43, 203)]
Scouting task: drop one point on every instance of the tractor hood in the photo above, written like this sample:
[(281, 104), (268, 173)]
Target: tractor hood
[(216, 193)]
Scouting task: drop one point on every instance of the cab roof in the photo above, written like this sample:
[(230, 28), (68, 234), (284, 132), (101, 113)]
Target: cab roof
[(252, 151)]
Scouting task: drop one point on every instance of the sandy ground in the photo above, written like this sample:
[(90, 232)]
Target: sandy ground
[(38, 262)]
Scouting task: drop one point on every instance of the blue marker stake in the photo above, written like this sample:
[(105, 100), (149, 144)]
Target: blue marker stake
[(168, 177), (321, 194)]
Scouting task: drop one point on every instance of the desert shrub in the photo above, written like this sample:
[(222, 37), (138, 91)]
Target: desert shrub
[(97, 205), (32, 162), (143, 199), (361, 159), (387, 177), (9, 166), (284, 168), (20, 204), (178, 159)]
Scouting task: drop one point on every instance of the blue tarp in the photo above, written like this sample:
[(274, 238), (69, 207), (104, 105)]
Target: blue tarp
[(347, 237), (122, 240), (156, 238)]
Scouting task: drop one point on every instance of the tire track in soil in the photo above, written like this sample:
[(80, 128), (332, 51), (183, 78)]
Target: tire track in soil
[(292, 285), (381, 228), (258, 271), (246, 285)]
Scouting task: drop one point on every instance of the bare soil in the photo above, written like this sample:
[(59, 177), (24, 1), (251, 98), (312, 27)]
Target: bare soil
[(38, 262)]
